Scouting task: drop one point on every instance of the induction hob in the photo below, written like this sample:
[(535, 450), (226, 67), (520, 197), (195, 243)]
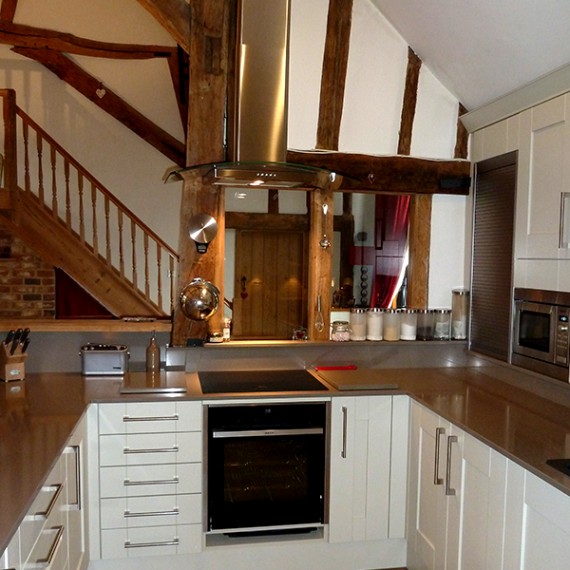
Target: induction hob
[(240, 381)]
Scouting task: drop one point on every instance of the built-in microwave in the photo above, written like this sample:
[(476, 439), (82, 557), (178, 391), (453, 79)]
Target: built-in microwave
[(540, 331)]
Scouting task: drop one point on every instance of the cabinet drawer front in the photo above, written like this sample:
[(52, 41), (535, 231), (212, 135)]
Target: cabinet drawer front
[(150, 448), (50, 551), (139, 480), (46, 511), (151, 541), (163, 510), (138, 418)]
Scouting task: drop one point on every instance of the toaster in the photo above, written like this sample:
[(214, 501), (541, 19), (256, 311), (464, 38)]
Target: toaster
[(104, 359)]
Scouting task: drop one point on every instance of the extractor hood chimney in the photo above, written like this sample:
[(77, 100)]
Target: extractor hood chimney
[(259, 131)]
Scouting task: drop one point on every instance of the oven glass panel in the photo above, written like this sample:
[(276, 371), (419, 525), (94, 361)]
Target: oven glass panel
[(534, 331)]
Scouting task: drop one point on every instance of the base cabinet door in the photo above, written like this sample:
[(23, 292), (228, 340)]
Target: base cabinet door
[(367, 480), (538, 523), (434, 491), (483, 512)]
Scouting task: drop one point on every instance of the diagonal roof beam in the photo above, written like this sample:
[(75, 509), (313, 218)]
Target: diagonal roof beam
[(32, 37), (174, 16), (92, 88)]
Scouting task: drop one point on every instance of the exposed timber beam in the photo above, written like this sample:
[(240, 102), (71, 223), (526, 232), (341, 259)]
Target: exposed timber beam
[(462, 139), (333, 80), (419, 232), (37, 38), (174, 17), (104, 98), (392, 174), (8, 10), (208, 58)]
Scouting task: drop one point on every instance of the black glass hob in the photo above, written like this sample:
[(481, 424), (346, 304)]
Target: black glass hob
[(232, 381)]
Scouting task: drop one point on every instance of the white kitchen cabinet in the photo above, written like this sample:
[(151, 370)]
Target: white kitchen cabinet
[(368, 468), (483, 506), (53, 533), (544, 152), (150, 473), (457, 490), (537, 523), (434, 491)]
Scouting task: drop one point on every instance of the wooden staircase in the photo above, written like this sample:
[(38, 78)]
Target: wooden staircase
[(73, 222)]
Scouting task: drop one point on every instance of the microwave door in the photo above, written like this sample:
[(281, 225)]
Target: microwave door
[(535, 331)]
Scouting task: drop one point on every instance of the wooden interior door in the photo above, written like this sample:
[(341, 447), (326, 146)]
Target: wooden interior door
[(270, 298)]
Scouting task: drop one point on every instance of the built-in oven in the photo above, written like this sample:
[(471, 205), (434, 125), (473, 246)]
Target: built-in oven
[(266, 467), (540, 331)]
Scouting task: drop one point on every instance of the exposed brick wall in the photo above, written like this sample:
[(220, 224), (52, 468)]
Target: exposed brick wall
[(27, 283)]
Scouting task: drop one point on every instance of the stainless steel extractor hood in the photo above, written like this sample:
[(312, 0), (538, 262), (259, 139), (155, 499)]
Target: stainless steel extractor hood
[(259, 133)]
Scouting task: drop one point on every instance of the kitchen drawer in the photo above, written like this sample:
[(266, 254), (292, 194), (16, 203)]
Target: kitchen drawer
[(46, 510), (150, 448), (50, 551), (140, 480), (151, 541), (162, 510), (150, 417)]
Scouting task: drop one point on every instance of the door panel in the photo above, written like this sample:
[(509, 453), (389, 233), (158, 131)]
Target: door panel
[(271, 283)]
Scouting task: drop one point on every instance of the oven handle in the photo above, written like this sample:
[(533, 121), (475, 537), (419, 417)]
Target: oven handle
[(266, 432)]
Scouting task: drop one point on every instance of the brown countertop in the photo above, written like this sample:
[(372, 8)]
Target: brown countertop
[(38, 415)]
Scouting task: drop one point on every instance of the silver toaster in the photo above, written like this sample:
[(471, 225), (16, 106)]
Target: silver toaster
[(104, 359)]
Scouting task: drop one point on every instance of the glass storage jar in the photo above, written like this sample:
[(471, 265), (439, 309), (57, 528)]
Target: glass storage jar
[(374, 324), (442, 324), (391, 324), (459, 313), (358, 324), (340, 331), (425, 324), (408, 324)]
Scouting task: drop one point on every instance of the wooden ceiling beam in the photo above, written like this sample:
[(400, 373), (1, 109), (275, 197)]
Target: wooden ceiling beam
[(104, 98), (8, 10), (333, 80), (173, 16), (36, 38), (390, 174)]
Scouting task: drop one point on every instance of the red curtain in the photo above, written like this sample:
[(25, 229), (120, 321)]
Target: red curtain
[(392, 217)]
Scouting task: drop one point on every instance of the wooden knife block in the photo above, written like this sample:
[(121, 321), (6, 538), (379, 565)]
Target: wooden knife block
[(12, 367)]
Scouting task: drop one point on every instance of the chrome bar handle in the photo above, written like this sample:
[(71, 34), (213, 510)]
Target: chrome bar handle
[(344, 431), (173, 449), (173, 417), (173, 481), (76, 450), (449, 490), (174, 512), (46, 562), (173, 542), (437, 480)]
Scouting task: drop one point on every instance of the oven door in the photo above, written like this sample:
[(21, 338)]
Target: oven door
[(264, 478), (534, 330)]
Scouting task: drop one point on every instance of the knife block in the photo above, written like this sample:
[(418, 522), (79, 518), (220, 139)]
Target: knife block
[(12, 366)]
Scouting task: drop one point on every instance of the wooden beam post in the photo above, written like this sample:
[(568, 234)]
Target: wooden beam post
[(209, 30)]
